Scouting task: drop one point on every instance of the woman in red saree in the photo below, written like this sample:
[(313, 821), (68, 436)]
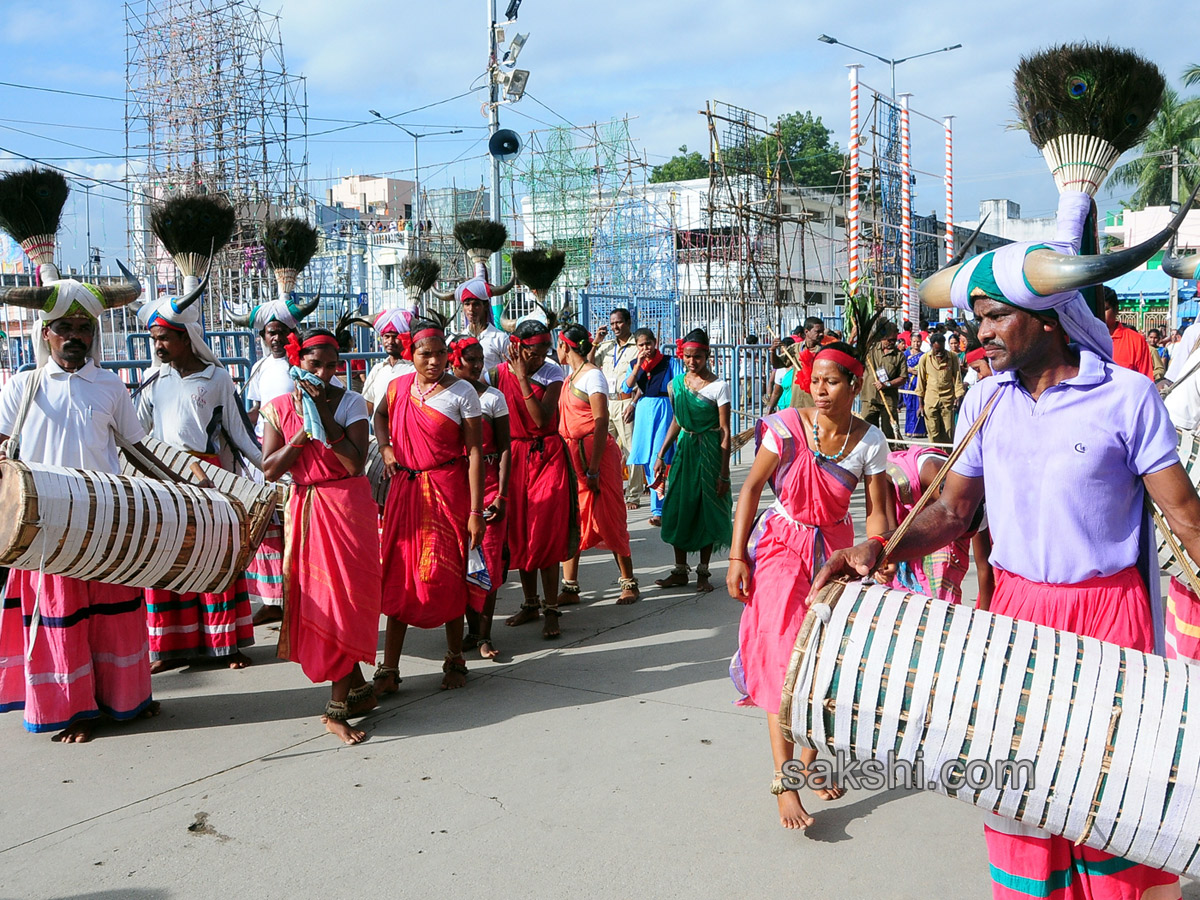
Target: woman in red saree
[(583, 414), (428, 432), (543, 522), (466, 359), (318, 433), (813, 459)]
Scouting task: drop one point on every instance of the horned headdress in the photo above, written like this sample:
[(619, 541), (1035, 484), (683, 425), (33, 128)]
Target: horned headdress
[(479, 238), (193, 229), (1083, 105), (31, 203), (538, 270), (289, 244)]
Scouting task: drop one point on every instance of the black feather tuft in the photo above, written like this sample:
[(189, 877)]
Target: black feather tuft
[(538, 269), (420, 272), (480, 234), (199, 224), (289, 243), (31, 202), (1088, 89)]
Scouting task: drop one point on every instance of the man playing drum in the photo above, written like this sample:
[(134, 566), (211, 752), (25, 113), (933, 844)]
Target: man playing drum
[(71, 650), (190, 402), (1071, 446)]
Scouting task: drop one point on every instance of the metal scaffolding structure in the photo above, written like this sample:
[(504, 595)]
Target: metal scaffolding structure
[(211, 107)]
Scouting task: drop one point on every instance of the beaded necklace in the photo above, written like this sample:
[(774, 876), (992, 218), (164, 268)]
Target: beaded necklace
[(422, 394), (817, 440)]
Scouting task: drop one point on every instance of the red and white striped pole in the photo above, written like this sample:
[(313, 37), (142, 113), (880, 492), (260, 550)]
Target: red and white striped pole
[(852, 200), (949, 179), (905, 212)]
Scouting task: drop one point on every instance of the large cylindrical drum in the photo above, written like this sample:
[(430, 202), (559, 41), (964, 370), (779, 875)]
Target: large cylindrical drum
[(1189, 455), (120, 529), (375, 473), (1072, 735)]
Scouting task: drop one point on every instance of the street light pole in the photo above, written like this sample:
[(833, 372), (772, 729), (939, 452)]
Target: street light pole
[(892, 63), (493, 127), (416, 136)]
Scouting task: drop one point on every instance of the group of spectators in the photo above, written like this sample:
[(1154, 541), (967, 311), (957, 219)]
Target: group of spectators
[(379, 226)]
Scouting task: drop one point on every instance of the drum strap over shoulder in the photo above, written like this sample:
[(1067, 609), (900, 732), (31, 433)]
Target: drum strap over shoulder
[(12, 447)]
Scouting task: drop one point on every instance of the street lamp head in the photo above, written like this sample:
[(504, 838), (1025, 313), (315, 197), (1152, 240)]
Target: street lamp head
[(955, 47), (375, 113), (826, 39)]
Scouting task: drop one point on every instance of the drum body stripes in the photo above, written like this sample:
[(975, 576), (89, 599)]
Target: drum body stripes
[(120, 529), (1189, 456), (1113, 734)]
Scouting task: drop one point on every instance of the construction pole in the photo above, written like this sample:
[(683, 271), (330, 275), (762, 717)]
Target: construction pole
[(1173, 307), (493, 127), (905, 212), (948, 121)]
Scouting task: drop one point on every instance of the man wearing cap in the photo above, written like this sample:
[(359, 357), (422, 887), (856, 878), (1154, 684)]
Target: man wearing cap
[(474, 295), (189, 401), (1070, 448), (939, 388)]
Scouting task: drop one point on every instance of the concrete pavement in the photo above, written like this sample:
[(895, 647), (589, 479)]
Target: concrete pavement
[(610, 763)]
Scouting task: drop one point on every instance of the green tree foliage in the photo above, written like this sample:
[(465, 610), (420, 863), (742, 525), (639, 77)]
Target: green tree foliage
[(681, 167), (810, 159), (1176, 125)]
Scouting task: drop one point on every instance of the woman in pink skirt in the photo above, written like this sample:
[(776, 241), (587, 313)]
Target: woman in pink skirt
[(813, 459)]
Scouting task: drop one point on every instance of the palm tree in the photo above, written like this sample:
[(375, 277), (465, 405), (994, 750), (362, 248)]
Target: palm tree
[(1191, 75), (1176, 125)]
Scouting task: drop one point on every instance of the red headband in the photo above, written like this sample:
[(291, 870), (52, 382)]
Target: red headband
[(681, 345), (845, 360), (569, 342), (294, 346), (976, 355), (458, 346), (530, 341), (410, 340)]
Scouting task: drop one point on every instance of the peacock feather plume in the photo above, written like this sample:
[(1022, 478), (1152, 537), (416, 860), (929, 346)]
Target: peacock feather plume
[(289, 244), (31, 204), (480, 238), (419, 273), (538, 269), (193, 228), (1084, 105)]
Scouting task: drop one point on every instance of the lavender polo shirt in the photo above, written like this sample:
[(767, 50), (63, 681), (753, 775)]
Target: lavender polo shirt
[(1063, 475)]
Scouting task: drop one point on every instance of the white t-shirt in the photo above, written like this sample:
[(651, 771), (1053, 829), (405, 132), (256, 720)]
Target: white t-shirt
[(492, 404), (351, 408), (1181, 352), (73, 418), (382, 374), (269, 379), (868, 456), (495, 345), (779, 375), (456, 402), (1183, 404), (548, 374), (591, 382), (183, 411), (717, 392)]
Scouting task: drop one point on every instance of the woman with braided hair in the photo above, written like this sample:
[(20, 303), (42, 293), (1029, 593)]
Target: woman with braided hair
[(429, 438), (318, 433), (543, 519), (697, 507), (466, 359), (596, 460), (813, 459)]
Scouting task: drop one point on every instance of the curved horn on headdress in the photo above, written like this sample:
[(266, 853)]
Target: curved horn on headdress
[(935, 290), (507, 324), (961, 253), (1049, 272), (444, 296), (434, 315), (31, 297), (359, 320), (182, 303), (240, 320), (1187, 267), (305, 308), (504, 288), (115, 295)]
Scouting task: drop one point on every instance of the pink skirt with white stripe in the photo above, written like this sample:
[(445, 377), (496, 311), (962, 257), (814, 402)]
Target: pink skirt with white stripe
[(90, 652), (1183, 622)]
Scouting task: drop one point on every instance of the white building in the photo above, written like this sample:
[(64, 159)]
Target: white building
[(373, 195)]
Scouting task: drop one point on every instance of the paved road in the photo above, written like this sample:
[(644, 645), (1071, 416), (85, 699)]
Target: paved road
[(611, 763)]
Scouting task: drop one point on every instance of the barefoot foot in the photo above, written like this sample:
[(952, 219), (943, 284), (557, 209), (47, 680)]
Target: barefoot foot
[(527, 613), (487, 650), (455, 668), (153, 708), (550, 627), (629, 592), (165, 665), (76, 733), (792, 813), (677, 578), (342, 730), (361, 700), (386, 680), (240, 660)]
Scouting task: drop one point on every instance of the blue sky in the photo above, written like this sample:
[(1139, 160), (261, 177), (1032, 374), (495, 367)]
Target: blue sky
[(657, 62)]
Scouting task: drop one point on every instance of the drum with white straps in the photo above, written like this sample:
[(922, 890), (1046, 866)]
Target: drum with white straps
[(374, 472), (1189, 455), (1113, 753), (120, 529)]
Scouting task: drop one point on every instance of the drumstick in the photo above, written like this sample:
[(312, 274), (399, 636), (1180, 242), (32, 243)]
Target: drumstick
[(147, 463), (941, 476), (202, 479), (1184, 561)]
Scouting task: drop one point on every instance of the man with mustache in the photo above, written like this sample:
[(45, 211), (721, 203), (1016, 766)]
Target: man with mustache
[(189, 401)]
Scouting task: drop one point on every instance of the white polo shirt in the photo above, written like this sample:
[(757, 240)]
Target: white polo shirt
[(382, 374), (73, 417), (191, 412)]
